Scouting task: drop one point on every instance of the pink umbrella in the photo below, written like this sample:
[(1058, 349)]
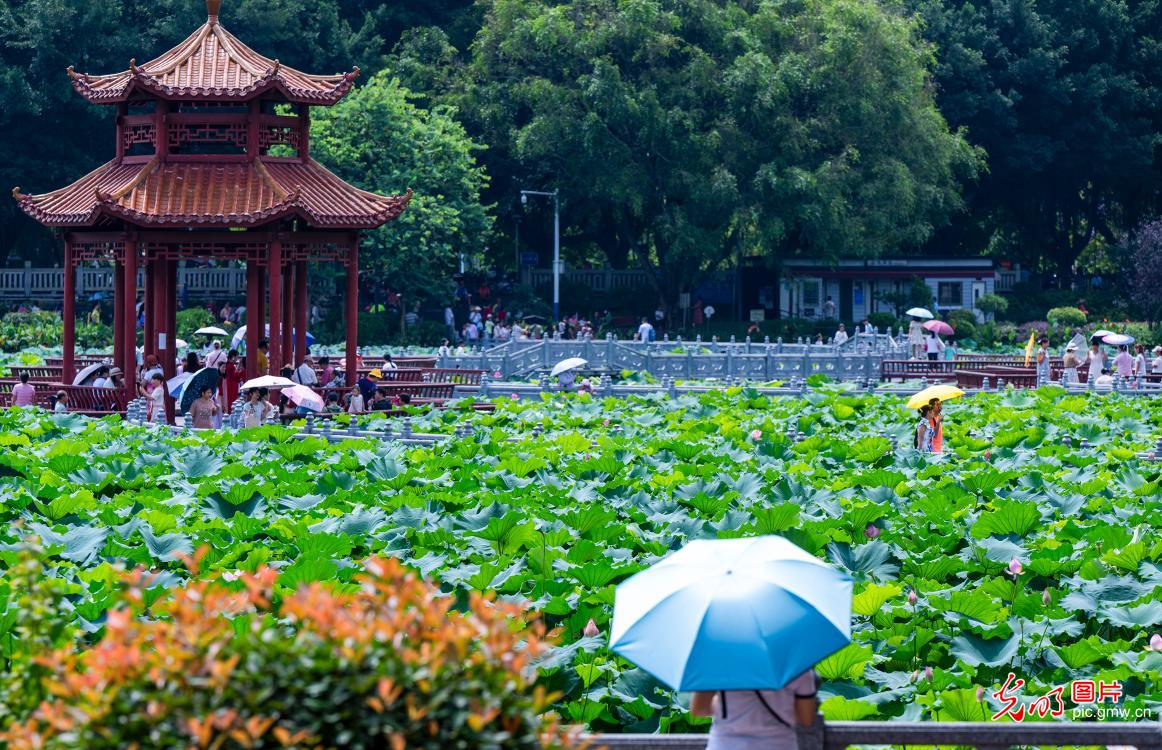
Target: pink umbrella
[(304, 397), (939, 327)]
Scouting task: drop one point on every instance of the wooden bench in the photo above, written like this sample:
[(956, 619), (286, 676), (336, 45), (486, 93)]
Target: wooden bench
[(1018, 377)]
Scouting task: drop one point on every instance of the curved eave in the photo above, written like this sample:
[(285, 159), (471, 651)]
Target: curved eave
[(121, 92), (391, 209)]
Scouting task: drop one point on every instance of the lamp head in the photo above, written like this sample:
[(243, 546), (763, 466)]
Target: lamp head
[(524, 199)]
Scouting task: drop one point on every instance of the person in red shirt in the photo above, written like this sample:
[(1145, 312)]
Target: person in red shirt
[(232, 377)]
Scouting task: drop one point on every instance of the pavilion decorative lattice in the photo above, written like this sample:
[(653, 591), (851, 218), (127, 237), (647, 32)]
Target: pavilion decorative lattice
[(212, 161)]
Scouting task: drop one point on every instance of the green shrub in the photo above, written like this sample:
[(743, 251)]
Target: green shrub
[(1065, 318), (883, 320), (385, 662), (964, 321), (992, 305), (193, 318)]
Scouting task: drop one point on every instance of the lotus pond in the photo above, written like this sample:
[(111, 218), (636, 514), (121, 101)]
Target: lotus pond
[(1025, 553)]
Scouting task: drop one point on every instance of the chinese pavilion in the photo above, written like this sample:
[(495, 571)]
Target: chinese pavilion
[(212, 162)]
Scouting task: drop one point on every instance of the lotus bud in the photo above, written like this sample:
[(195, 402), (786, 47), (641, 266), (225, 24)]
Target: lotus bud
[(514, 396), (979, 693), (756, 435), (604, 422), (988, 455), (496, 374), (913, 677), (912, 598), (872, 531), (928, 673), (591, 629), (1156, 642), (1046, 599), (1015, 567)]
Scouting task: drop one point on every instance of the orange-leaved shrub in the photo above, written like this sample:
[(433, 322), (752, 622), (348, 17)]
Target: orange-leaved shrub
[(223, 664)]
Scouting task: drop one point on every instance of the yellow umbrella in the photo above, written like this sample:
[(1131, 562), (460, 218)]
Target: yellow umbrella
[(942, 392)]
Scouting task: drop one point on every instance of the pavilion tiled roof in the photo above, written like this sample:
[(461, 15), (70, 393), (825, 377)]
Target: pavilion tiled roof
[(212, 64), (165, 194)]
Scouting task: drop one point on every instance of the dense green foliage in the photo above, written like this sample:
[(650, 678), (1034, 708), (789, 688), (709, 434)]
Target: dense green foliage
[(553, 518), (681, 132), (380, 141)]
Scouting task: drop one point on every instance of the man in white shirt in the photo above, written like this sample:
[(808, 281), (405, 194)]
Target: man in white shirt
[(1124, 362), (1156, 365), (644, 330), (305, 374), (840, 335)]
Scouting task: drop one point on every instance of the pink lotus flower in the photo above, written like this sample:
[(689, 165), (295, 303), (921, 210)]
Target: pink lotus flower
[(928, 673), (591, 629), (514, 396), (496, 374), (1015, 567), (912, 598), (988, 455), (872, 531), (1046, 598), (1156, 642), (604, 422), (756, 435), (979, 693)]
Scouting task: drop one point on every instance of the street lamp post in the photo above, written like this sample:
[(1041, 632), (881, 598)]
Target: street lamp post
[(556, 196)]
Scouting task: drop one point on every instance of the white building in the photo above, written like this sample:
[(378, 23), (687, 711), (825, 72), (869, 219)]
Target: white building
[(855, 287)]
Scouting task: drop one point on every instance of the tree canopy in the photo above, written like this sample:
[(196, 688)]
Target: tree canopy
[(684, 133), (380, 141)]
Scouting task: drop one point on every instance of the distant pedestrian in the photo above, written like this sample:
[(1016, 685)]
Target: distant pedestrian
[(101, 379), (1069, 364), (216, 356), (332, 405), (1043, 360), (916, 337), (23, 394), (840, 336), (933, 346), (828, 308), (203, 409), (155, 400), (355, 399), (1096, 359), (645, 331), (61, 403), (263, 357), (1139, 364), (1124, 362), (1156, 365), (254, 410), (305, 373)]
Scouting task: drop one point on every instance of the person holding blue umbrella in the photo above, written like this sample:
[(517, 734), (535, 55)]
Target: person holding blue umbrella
[(740, 623)]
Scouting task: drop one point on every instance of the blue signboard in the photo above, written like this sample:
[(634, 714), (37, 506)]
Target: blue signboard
[(529, 259)]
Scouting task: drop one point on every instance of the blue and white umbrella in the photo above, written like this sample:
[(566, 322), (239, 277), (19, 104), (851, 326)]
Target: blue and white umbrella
[(732, 614), (207, 377)]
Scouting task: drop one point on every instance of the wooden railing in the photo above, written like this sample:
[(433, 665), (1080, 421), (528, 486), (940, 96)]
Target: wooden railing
[(840, 735)]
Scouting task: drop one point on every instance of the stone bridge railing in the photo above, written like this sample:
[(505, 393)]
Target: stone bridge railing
[(860, 358)]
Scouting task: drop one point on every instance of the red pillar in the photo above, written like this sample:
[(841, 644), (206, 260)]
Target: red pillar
[(118, 310), (253, 317), (129, 318), (288, 287), (352, 310), (170, 327), (69, 315), (275, 283), (300, 311), (150, 305)]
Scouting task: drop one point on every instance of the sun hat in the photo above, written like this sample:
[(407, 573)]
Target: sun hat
[(1158, 350), (114, 372), (376, 373)]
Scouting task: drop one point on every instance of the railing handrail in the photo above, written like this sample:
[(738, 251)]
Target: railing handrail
[(839, 735)]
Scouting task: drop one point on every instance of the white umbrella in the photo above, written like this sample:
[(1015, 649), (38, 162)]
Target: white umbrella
[(572, 363), (303, 396), (920, 312), (1118, 339), (87, 374), (268, 381), (1100, 333), (210, 331), (181, 343)]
